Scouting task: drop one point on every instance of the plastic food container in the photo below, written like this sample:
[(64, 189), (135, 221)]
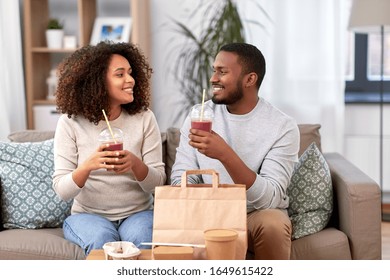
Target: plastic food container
[(121, 250)]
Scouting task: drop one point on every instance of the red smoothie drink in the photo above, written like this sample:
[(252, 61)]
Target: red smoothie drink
[(204, 125), (115, 147)]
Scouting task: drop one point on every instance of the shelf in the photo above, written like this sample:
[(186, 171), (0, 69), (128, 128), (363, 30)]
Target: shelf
[(44, 102), (47, 50)]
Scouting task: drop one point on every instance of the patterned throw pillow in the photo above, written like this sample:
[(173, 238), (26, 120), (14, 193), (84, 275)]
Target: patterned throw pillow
[(27, 196), (310, 193)]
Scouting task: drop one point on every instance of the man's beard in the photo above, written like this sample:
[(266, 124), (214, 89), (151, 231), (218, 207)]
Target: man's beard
[(231, 98)]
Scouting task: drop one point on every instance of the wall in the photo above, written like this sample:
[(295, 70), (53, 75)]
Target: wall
[(362, 141), (165, 88)]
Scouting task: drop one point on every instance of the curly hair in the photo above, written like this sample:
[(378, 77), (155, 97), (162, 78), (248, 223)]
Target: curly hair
[(82, 87)]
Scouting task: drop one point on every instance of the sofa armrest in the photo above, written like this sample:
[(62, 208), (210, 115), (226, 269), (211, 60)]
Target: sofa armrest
[(359, 207)]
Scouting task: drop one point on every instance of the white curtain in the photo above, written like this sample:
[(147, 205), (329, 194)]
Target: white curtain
[(12, 103), (305, 46)]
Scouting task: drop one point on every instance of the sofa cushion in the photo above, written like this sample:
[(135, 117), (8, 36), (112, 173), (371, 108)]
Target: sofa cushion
[(30, 136), (173, 139), (310, 193), (309, 133), (27, 197), (327, 244), (38, 244)]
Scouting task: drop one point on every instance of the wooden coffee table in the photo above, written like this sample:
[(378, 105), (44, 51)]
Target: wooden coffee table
[(98, 254)]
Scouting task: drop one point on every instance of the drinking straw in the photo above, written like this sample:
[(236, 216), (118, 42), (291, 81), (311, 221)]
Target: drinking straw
[(201, 110), (173, 244), (109, 126)]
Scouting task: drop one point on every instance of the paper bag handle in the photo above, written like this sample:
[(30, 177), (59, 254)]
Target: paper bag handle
[(212, 172)]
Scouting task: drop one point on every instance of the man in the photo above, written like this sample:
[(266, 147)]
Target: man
[(251, 143)]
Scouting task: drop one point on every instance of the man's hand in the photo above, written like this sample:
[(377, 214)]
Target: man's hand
[(209, 143), (214, 146)]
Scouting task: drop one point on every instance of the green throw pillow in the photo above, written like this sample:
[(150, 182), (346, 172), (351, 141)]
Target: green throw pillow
[(27, 196), (310, 193)]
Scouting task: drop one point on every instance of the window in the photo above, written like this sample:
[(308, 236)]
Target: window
[(350, 51), (363, 85), (374, 57)]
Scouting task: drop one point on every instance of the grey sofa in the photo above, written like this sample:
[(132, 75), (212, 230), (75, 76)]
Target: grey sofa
[(353, 232)]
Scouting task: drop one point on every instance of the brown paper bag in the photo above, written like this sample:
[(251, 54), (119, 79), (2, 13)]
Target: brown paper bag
[(183, 213)]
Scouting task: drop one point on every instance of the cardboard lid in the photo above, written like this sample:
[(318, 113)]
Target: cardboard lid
[(220, 235), (172, 250)]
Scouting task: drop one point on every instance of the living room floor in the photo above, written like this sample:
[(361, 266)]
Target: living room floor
[(386, 240)]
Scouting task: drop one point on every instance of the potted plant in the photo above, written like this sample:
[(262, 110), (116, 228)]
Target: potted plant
[(193, 58), (54, 34)]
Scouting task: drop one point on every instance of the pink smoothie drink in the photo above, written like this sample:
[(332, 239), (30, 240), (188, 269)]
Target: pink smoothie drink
[(114, 147), (204, 125)]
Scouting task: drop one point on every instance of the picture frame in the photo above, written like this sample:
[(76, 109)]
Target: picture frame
[(115, 29)]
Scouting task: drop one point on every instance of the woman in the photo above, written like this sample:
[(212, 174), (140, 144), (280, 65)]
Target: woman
[(111, 190)]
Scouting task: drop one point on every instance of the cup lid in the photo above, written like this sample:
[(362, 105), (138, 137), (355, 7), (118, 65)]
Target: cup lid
[(220, 234), (105, 134), (197, 109)]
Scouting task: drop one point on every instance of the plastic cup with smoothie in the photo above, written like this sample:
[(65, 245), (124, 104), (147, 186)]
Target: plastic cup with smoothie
[(115, 140), (202, 118)]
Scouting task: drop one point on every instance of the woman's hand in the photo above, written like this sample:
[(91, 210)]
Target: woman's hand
[(101, 159), (125, 161), (118, 161), (97, 160)]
